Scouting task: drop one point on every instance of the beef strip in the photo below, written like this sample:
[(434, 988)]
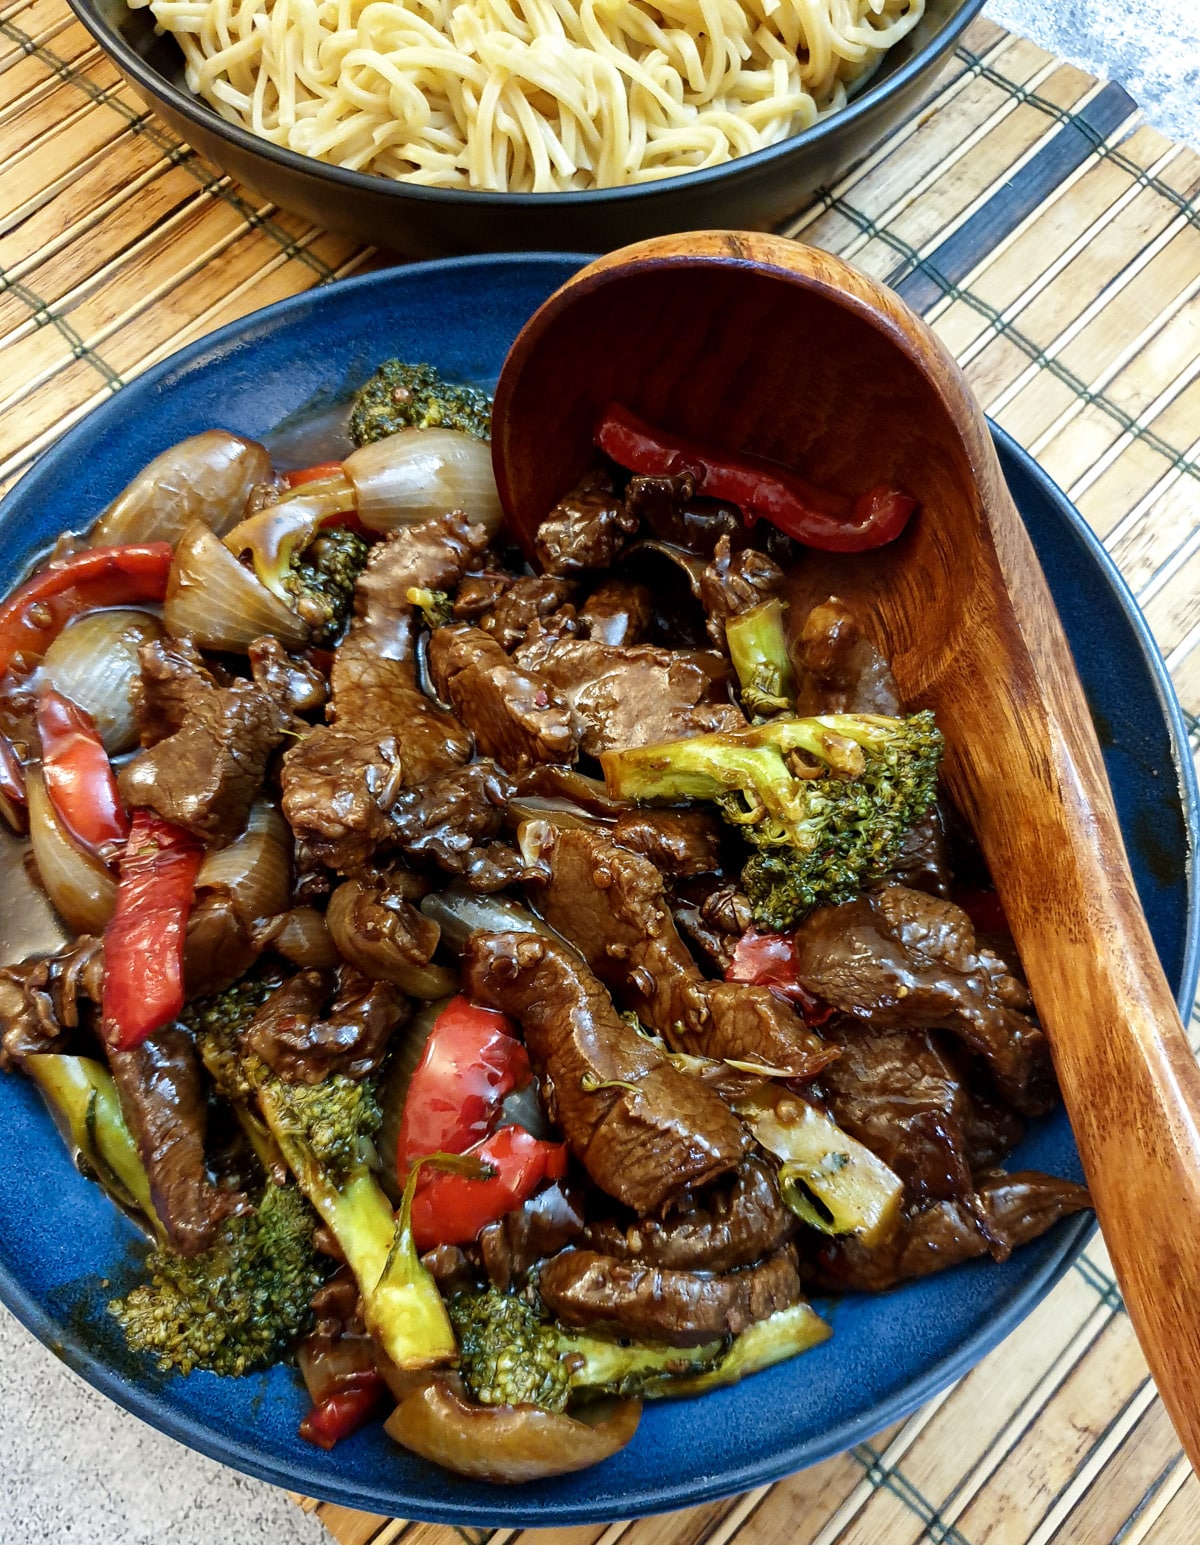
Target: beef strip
[(164, 1102), (299, 685), (901, 959), (44, 1002), (733, 582), (670, 511), (208, 744), (526, 600), (515, 714), (586, 530), (839, 668), (383, 731), (303, 1043), (682, 1308), (677, 842), (644, 1131), (514, 1245), (618, 611), (923, 863), (451, 820), (635, 695), (902, 1094), (611, 904), (1013, 1209), (734, 1223), (478, 593)]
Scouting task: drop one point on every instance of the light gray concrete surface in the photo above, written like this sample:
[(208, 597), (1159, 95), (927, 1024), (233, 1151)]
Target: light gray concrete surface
[(1151, 46), (73, 1467)]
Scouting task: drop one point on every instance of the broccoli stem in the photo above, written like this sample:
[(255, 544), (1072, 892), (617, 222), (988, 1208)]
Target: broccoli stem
[(82, 1096), (783, 1334), (759, 651), (829, 1179), (402, 1307)]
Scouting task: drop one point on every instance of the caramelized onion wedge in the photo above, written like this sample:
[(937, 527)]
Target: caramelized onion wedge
[(302, 936), (81, 889), (255, 869), (387, 939), (506, 1444), (212, 599), (418, 473), (206, 478), (93, 661)]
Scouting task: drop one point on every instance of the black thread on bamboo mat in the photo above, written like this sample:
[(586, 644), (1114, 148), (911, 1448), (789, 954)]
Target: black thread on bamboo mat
[(1018, 198), (890, 1478), (948, 290), (978, 66), (1146, 1498), (143, 124), (44, 315)]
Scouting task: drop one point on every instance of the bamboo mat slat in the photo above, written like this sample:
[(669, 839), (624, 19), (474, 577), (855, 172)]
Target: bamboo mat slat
[(1053, 240)]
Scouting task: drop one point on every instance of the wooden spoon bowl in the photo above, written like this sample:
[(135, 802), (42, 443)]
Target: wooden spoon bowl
[(756, 344)]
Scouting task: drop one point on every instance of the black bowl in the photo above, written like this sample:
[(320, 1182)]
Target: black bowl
[(755, 192)]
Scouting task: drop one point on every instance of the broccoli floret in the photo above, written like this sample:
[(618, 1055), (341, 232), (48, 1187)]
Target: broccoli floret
[(400, 396), (217, 1023), (827, 801), (512, 1353), (336, 1119), (238, 1306), (322, 579)]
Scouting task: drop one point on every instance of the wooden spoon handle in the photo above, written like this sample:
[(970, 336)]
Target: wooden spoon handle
[(1129, 1079)]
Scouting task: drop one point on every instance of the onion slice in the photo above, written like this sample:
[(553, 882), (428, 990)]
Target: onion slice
[(81, 888), (212, 599), (207, 478), (418, 473), (275, 535), (254, 869), (94, 662)]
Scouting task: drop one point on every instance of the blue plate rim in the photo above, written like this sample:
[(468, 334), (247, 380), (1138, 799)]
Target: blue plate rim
[(519, 1507)]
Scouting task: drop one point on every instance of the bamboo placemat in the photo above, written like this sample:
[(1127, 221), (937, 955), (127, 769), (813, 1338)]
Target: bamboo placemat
[(1054, 242)]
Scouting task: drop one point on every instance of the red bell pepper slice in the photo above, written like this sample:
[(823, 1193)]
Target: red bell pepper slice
[(38, 610), (318, 474), (341, 1414), (79, 777), (451, 1209), (471, 1061), (143, 943), (769, 960), (815, 516)]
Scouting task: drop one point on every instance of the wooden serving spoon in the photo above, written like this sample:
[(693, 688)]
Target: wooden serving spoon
[(753, 343)]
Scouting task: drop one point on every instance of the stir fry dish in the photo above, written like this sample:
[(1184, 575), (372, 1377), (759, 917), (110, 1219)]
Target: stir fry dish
[(506, 989)]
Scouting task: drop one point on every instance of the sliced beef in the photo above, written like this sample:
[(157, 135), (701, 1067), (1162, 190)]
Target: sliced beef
[(515, 1244), (44, 1002), (900, 959), (1006, 1211), (303, 1042), (839, 668), (644, 1131), (923, 862), (586, 530), (478, 593), (164, 1102), (220, 946), (681, 1308), (523, 603), (618, 611), (297, 684), (450, 821), (733, 583), (383, 732), (734, 1223), (516, 715), (902, 1094), (208, 744), (668, 508), (635, 695), (677, 842), (611, 905)]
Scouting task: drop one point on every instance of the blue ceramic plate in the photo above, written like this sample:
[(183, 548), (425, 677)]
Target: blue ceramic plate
[(61, 1241)]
